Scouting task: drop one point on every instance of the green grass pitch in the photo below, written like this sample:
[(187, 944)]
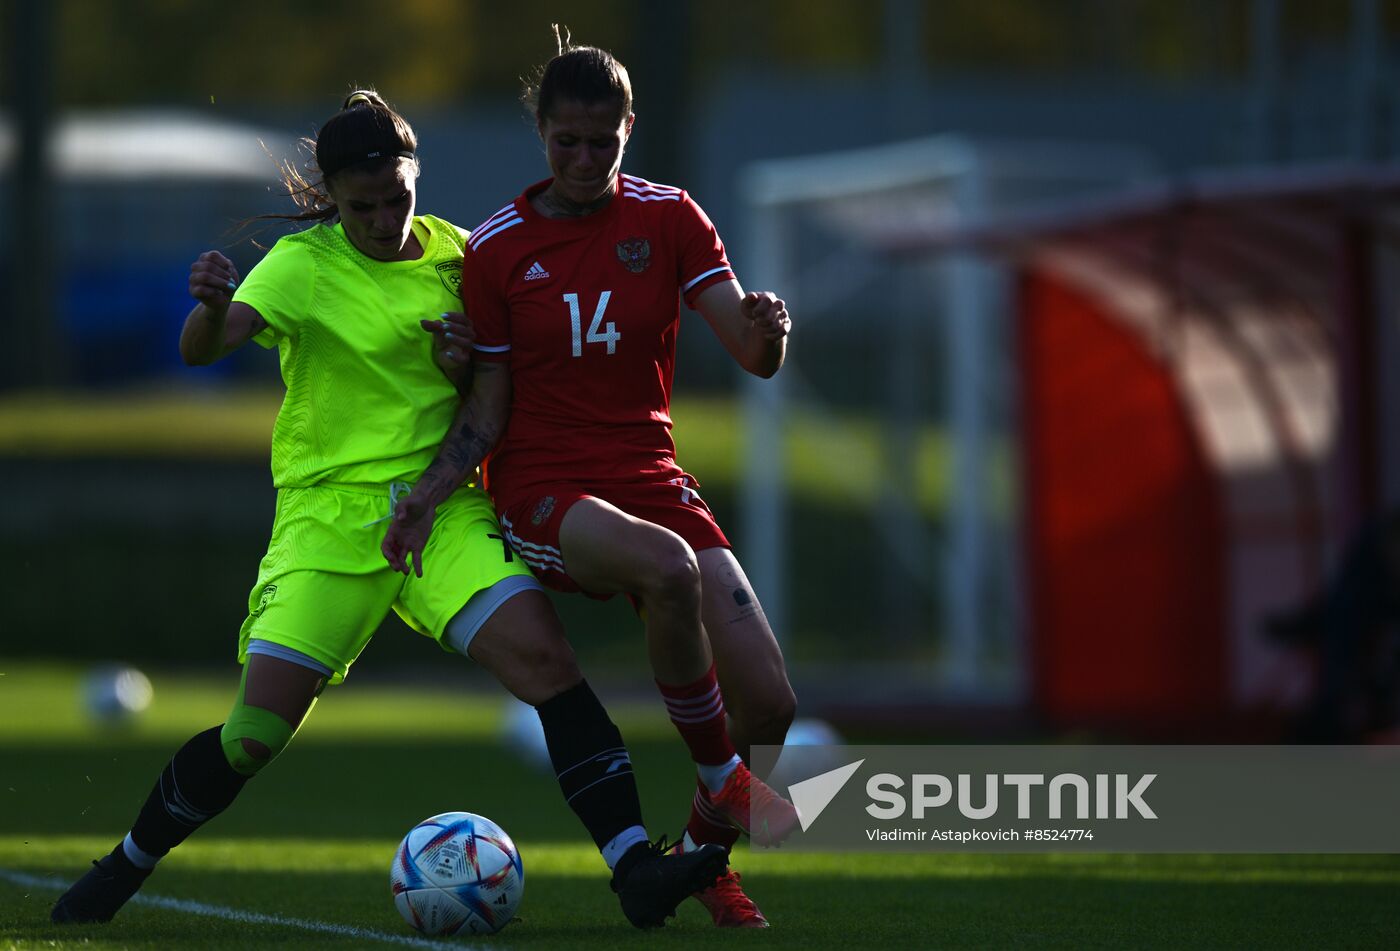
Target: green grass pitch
[(301, 861)]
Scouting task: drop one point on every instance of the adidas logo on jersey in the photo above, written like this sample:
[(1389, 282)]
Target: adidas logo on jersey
[(536, 272)]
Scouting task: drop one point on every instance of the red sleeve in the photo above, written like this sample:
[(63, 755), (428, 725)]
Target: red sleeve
[(702, 258), (485, 306)]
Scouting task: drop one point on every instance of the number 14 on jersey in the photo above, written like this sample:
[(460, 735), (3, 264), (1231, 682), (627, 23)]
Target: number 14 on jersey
[(609, 334)]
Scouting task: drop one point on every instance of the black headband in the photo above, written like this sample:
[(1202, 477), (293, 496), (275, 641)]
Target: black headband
[(340, 163), (389, 148)]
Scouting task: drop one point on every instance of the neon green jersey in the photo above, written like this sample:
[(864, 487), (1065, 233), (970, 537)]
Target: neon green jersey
[(364, 403)]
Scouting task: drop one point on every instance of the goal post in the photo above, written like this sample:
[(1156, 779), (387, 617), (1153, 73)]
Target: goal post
[(904, 359)]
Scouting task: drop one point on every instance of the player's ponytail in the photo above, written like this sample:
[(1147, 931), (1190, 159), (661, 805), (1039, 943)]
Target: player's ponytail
[(585, 74)]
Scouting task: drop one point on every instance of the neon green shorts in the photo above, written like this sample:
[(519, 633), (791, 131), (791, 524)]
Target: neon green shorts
[(324, 587)]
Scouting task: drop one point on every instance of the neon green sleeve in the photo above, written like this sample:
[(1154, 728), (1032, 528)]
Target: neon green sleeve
[(279, 288)]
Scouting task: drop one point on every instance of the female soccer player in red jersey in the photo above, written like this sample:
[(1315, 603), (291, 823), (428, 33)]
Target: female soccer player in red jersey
[(572, 292)]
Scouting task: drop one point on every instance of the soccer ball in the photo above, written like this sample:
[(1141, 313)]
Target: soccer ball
[(457, 873)]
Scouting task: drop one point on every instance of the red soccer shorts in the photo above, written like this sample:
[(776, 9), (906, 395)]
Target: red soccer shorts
[(531, 521)]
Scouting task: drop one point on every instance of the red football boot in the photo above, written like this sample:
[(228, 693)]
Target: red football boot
[(755, 809), (726, 902)]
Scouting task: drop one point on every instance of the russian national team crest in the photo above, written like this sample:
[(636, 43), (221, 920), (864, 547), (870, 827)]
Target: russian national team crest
[(451, 274), (543, 511), (635, 254)]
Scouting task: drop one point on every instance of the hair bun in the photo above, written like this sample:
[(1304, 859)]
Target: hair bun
[(357, 97)]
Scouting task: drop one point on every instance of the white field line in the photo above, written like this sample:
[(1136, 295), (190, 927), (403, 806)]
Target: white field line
[(244, 917)]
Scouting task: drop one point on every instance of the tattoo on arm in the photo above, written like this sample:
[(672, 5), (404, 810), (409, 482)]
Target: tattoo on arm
[(462, 451), (479, 424), (466, 447)]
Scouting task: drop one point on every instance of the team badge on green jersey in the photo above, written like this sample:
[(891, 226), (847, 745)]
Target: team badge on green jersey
[(268, 594), (451, 274)]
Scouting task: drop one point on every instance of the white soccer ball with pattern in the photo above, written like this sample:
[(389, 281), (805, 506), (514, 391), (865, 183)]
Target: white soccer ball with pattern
[(457, 873)]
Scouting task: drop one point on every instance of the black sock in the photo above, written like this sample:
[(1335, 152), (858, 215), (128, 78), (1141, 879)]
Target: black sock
[(196, 785), (592, 765)]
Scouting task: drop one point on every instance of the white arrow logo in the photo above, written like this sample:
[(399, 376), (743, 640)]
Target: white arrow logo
[(811, 796)]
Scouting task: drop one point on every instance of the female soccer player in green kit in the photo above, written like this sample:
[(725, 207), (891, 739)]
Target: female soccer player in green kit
[(344, 303)]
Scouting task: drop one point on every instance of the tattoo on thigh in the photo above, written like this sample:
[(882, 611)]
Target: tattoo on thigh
[(746, 605)]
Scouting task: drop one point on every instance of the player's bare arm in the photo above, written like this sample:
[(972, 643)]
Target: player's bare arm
[(480, 421), (475, 431), (216, 327), (753, 327)]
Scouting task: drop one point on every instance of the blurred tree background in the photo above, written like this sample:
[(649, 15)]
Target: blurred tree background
[(435, 53)]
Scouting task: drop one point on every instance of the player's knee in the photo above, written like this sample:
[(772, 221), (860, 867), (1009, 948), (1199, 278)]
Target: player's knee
[(246, 755), (547, 671), (562, 672), (675, 576), (768, 718), (784, 708), (526, 651), (252, 738), (255, 751)]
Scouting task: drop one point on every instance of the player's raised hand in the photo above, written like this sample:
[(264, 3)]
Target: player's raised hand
[(453, 336), (408, 533), (768, 313), (213, 279)]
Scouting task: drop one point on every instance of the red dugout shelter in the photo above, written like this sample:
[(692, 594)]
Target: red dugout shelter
[(1207, 414)]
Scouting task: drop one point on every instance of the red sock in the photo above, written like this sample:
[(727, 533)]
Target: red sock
[(706, 824), (697, 710)]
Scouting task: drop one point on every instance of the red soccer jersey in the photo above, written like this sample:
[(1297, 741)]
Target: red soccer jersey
[(586, 311)]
